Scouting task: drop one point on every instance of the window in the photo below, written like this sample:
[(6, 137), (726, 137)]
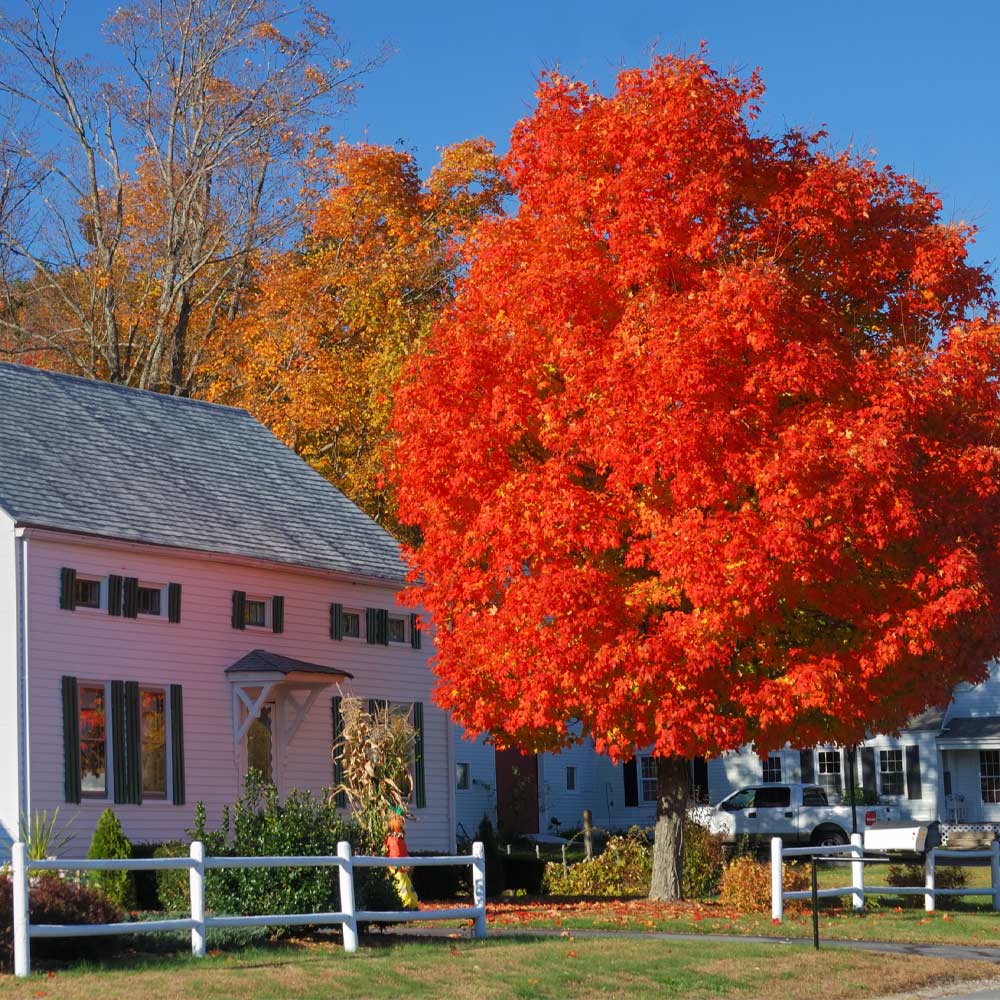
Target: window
[(397, 630), (774, 797), (772, 770), (88, 593), (255, 613), (463, 777), (812, 796), (890, 766), (989, 774), (829, 770), (153, 712), (647, 773), (352, 624), (93, 742), (149, 601), (570, 778)]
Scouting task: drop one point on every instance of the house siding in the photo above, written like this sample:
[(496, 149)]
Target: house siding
[(8, 686), (480, 798), (91, 645)]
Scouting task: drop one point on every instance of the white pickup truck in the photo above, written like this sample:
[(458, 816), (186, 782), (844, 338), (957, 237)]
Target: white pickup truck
[(797, 813)]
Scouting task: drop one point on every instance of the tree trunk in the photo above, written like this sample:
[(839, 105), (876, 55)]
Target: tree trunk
[(673, 783)]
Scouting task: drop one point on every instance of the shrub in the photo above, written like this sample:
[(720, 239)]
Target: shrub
[(914, 874), (55, 901), (173, 887), (109, 841), (624, 868), (746, 885), (441, 883), (703, 861), (495, 875)]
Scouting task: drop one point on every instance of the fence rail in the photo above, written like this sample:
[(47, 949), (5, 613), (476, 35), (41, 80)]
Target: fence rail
[(199, 921), (858, 889)]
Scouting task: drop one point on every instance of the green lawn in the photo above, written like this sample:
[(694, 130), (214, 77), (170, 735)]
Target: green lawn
[(557, 968)]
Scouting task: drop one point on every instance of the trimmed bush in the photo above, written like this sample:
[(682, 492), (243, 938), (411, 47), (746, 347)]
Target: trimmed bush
[(109, 841), (441, 883), (173, 887), (915, 874), (55, 901), (746, 885)]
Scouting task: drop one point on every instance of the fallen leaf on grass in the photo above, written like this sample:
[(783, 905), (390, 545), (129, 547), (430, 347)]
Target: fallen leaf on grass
[(571, 954)]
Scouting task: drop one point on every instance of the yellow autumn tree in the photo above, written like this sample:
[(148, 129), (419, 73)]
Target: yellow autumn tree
[(321, 339)]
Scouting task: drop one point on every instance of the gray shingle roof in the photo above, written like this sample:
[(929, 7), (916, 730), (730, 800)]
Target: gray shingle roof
[(101, 459), (983, 727), (260, 661)]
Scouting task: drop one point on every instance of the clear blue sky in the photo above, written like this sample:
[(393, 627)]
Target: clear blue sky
[(917, 81)]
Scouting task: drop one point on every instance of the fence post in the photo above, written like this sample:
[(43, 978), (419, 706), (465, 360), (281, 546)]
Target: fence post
[(995, 873), (347, 906), (22, 940), (479, 887), (197, 882), (777, 887), (858, 871), (929, 895)]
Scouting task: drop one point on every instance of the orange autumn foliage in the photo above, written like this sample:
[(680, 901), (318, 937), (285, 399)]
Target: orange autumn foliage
[(324, 336), (706, 449)]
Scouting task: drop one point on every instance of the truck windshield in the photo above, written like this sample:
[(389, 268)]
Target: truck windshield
[(743, 799)]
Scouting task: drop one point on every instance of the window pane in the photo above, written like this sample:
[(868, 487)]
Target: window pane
[(647, 771), (352, 625), (814, 797), (771, 768), (254, 613), (259, 745), (462, 776), (93, 742), (88, 593), (397, 630), (149, 601), (570, 779), (828, 762), (773, 798), (154, 743), (989, 775), (891, 771)]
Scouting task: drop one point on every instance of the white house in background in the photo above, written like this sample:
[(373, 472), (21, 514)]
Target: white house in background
[(182, 597), (944, 766)]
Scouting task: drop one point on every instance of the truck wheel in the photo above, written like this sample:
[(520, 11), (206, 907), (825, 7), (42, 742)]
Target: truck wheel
[(829, 836)]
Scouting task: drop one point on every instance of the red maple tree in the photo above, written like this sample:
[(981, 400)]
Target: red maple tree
[(704, 452)]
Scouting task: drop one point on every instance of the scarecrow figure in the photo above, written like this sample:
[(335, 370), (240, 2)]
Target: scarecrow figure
[(395, 847)]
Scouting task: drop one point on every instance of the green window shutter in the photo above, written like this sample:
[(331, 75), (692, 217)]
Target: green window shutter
[(119, 738), (133, 742), (337, 621), (630, 775), (371, 626), (115, 595), (277, 614), (67, 589), (177, 743), (130, 597), (71, 738), (174, 606), (419, 783), (340, 799), (239, 609), (382, 629), (415, 631)]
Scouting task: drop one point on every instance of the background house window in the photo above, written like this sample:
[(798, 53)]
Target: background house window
[(397, 630), (352, 624), (989, 775), (570, 779), (890, 766), (255, 613), (88, 593), (93, 742), (463, 778), (647, 775), (771, 767), (149, 601), (828, 770), (153, 711)]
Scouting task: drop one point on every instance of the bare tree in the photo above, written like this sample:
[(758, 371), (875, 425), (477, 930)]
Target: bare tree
[(171, 173)]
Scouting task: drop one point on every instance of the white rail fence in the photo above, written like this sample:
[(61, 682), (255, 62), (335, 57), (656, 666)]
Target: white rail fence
[(858, 889), (198, 923)]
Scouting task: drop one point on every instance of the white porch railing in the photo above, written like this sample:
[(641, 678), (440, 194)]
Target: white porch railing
[(858, 890), (197, 864)]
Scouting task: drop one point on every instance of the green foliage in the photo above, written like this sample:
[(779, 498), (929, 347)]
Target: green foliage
[(746, 885), (915, 874), (861, 797), (703, 861), (261, 825), (42, 835), (624, 868), (109, 841), (55, 901)]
